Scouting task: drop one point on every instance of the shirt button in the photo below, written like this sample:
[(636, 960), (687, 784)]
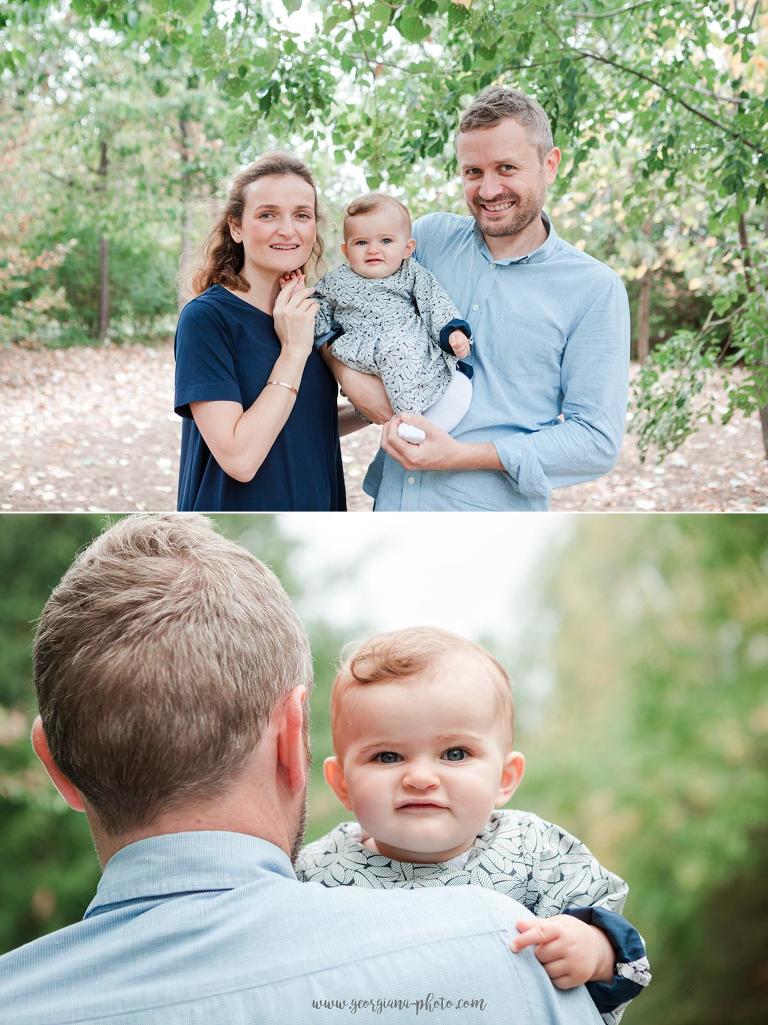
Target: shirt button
[(411, 480), (493, 266), (475, 307)]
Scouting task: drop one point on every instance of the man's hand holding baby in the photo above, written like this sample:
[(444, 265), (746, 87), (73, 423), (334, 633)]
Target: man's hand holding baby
[(438, 451), (459, 343), (571, 951)]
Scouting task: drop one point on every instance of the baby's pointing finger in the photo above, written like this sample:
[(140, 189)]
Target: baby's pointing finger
[(531, 934)]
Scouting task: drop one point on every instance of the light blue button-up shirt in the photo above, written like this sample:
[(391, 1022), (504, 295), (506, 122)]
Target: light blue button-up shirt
[(551, 337), (213, 928)]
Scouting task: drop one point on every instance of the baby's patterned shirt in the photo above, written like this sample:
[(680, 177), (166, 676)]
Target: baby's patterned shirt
[(535, 862)]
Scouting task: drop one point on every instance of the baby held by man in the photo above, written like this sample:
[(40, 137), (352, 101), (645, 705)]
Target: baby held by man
[(382, 313), (422, 725)]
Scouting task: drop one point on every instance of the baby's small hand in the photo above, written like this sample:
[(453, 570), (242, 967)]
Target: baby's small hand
[(459, 343), (293, 276), (571, 951)]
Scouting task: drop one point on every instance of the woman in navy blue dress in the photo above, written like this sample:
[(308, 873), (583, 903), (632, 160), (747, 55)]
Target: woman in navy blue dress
[(261, 427)]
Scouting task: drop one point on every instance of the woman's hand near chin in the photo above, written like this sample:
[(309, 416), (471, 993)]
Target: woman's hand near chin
[(294, 316)]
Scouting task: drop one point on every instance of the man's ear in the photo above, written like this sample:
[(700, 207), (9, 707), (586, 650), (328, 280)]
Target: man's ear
[(68, 790), (333, 770), (511, 774), (551, 164), (291, 746)]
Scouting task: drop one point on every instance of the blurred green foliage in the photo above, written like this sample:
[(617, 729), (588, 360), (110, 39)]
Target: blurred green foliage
[(641, 677), (653, 744)]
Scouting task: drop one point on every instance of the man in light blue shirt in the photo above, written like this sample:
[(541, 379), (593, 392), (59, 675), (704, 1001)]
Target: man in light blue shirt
[(550, 327), (172, 675)]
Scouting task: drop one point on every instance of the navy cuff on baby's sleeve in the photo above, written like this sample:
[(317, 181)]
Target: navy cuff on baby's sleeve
[(627, 943), (453, 325), (330, 336)]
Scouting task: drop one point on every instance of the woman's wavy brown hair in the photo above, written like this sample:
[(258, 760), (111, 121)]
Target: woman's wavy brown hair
[(223, 257)]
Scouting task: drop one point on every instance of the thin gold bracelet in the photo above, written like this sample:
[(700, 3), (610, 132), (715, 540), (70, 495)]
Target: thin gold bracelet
[(284, 385)]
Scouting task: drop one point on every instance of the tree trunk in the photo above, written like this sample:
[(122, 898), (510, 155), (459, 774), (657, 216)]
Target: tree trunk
[(103, 253), (644, 318), (643, 343), (103, 288)]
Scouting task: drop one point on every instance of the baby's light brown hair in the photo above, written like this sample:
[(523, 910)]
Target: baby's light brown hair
[(373, 201), (400, 654)]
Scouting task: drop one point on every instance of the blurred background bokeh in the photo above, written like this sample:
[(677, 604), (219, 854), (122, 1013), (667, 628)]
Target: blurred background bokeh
[(638, 648)]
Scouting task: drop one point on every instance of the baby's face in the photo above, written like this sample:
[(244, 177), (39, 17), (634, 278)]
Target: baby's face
[(425, 760), (377, 243)]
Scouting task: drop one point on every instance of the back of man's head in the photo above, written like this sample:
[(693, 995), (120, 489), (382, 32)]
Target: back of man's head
[(158, 661)]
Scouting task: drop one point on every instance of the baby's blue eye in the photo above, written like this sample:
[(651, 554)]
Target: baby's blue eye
[(456, 754), (361, 242), (386, 241), (387, 757)]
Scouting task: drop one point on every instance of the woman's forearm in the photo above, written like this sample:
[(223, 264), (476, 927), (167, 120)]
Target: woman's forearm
[(256, 430), (240, 440)]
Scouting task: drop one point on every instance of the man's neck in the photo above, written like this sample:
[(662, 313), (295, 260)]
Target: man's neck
[(234, 811), (513, 247)]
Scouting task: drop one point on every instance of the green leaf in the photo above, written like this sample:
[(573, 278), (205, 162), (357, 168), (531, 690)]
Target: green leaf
[(380, 13), (412, 28), (292, 6)]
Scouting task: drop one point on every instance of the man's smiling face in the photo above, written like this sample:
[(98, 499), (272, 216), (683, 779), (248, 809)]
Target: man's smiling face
[(505, 179)]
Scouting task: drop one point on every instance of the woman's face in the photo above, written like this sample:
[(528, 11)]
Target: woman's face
[(279, 226)]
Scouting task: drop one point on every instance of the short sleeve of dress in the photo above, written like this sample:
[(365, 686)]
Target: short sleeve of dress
[(205, 359)]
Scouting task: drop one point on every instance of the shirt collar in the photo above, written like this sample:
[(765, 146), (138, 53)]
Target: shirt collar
[(543, 252), (185, 863)]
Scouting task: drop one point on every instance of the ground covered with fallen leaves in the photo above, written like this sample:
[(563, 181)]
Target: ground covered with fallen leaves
[(93, 429)]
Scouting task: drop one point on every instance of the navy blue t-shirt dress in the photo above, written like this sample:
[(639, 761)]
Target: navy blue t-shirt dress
[(225, 350)]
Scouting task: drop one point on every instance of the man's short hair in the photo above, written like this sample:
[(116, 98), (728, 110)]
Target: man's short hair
[(373, 201), (400, 654), (497, 103), (158, 661)]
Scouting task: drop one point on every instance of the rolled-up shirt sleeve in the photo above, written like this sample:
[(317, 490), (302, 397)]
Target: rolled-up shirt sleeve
[(594, 379)]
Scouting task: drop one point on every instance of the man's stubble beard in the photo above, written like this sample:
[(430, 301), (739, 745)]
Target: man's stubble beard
[(298, 835), (301, 823), (521, 215), (515, 226)]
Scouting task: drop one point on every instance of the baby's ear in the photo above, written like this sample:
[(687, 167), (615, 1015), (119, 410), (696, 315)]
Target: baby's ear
[(511, 774), (333, 771), (344, 248), (410, 247)]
